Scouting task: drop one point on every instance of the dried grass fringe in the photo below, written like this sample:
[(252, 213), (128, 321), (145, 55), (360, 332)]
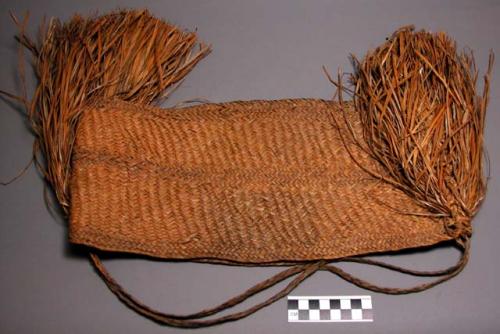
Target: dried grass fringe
[(129, 55), (423, 121)]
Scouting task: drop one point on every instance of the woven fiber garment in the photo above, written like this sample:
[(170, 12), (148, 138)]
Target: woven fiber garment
[(302, 183), (256, 181)]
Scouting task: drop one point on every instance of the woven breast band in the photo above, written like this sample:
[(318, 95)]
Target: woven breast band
[(256, 181)]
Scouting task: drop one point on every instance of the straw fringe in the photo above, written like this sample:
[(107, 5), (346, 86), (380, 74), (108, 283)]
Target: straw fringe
[(423, 121), (128, 55)]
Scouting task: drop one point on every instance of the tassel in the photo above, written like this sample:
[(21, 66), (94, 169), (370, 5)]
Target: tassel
[(128, 55), (423, 122)]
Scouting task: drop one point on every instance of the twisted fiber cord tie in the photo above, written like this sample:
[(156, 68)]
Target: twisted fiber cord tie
[(302, 270), (186, 321)]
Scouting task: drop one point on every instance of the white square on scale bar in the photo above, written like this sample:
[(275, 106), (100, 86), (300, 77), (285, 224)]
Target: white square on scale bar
[(303, 304), (324, 304), (345, 304), (314, 315), (357, 314), (335, 314), (366, 303), (293, 315)]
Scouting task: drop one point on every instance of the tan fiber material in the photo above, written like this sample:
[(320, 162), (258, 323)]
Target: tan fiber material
[(129, 55), (302, 182), (423, 119), (255, 181)]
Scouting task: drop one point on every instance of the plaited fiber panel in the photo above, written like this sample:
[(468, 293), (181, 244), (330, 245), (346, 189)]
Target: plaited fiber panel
[(255, 181)]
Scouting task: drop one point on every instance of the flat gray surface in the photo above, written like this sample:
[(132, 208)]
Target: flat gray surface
[(262, 50)]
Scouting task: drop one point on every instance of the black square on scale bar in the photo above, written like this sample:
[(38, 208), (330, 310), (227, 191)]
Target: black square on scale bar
[(355, 303), (334, 304), (314, 304)]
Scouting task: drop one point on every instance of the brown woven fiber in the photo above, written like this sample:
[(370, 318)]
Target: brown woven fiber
[(251, 181), (301, 183)]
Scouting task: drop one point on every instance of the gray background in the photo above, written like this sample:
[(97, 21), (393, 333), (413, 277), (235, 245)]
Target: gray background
[(261, 50)]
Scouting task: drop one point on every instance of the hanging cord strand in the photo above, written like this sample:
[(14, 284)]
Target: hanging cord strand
[(402, 270), (446, 274), (186, 321), (229, 303), (302, 271)]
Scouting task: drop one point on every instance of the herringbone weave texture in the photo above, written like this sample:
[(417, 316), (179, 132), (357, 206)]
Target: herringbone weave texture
[(257, 181)]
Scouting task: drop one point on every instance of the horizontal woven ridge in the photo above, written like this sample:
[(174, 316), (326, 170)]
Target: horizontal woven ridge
[(255, 181)]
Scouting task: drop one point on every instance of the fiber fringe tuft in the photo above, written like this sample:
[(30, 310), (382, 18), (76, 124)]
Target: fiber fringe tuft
[(424, 121), (127, 55)]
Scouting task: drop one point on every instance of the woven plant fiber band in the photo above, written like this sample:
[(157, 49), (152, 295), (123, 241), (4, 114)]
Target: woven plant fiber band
[(254, 181), (302, 183)]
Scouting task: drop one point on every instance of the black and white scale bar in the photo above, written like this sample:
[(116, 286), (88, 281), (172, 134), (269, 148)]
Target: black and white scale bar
[(330, 309)]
